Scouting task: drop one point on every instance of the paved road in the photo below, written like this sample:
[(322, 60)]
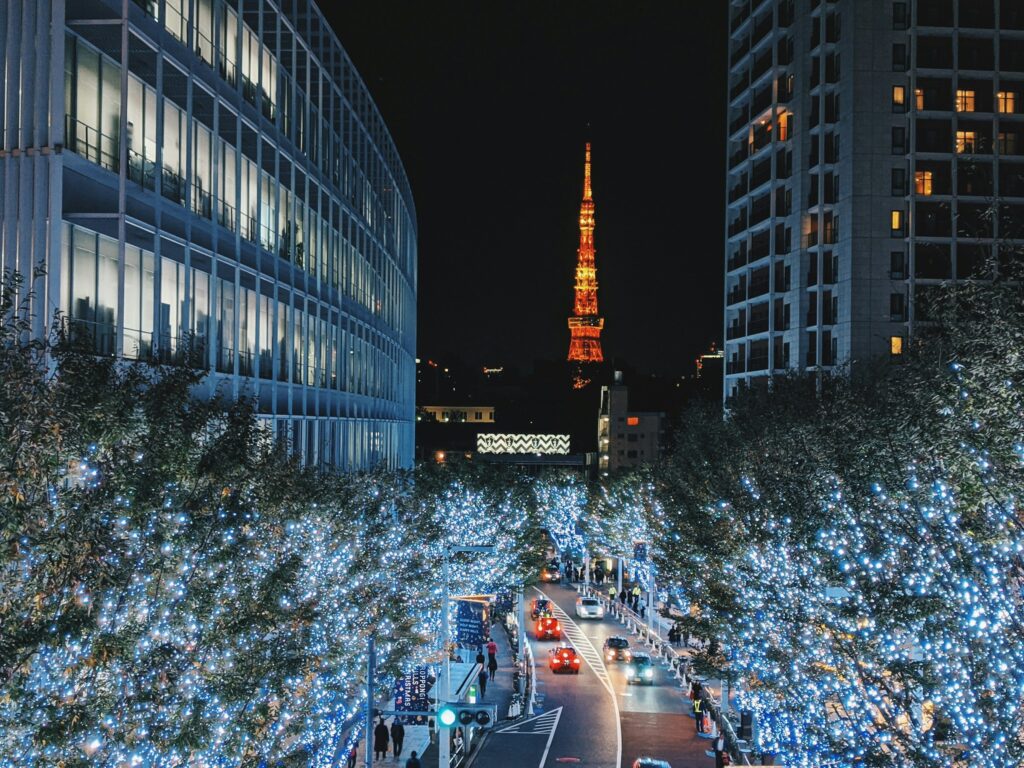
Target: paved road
[(596, 718)]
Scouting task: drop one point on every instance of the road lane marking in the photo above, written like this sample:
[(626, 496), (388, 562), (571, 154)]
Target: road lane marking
[(585, 648), (551, 736), (541, 725)]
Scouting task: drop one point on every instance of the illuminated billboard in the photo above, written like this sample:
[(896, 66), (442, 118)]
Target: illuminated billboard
[(505, 443)]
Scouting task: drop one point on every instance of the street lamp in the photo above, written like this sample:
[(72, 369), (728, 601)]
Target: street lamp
[(443, 745)]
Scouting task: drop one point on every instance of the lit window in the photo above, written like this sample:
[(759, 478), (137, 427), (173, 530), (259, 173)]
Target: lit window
[(919, 98), (923, 182), (964, 101), (965, 141), (1007, 101), (896, 222), (899, 98), (895, 346), (632, 420)]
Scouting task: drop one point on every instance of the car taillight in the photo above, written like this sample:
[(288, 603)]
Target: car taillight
[(575, 661), (556, 625)]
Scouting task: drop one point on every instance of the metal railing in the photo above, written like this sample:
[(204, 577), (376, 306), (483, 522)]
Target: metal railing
[(90, 143)]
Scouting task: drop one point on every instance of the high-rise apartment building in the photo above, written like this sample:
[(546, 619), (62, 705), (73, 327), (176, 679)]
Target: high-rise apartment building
[(208, 182), (875, 150)]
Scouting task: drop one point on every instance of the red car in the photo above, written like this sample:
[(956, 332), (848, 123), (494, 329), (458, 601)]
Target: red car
[(548, 628), (565, 659)]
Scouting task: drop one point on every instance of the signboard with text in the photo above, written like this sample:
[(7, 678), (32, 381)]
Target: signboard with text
[(411, 693), (469, 623)]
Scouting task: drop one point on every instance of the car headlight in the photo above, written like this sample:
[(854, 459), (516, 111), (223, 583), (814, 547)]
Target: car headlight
[(648, 673)]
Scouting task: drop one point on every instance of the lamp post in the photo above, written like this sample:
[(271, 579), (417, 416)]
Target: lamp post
[(443, 745)]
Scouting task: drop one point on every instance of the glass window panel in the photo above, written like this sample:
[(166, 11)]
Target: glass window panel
[(200, 325), (226, 327)]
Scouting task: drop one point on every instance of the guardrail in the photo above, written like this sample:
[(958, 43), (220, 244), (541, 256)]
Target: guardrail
[(679, 664), (531, 678)]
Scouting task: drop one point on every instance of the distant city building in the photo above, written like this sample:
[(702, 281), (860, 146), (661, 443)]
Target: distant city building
[(868, 141), (466, 414), (209, 183), (625, 438), (585, 325)]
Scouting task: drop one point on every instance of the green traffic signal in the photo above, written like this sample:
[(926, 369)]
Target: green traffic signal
[(446, 716)]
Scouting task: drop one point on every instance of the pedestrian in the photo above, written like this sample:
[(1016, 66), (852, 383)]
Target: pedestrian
[(413, 761), (492, 649), (397, 737), (380, 741), (636, 596), (611, 594), (698, 712), (480, 658), (623, 596), (492, 666), (720, 753), (482, 679), (643, 610), (352, 755), (458, 742)]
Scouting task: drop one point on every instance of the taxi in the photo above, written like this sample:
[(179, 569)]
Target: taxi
[(565, 659), (547, 628), (640, 669)]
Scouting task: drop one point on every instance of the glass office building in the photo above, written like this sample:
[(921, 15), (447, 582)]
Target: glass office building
[(209, 182)]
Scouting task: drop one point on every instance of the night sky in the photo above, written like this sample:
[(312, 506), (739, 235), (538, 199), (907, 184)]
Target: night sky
[(489, 104)]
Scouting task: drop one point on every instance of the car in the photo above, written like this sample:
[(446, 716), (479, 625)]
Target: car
[(565, 659), (650, 762), (551, 572), (540, 607), (616, 648), (640, 669), (589, 608), (548, 628)]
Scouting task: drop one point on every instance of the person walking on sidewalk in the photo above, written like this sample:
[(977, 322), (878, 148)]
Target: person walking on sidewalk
[(380, 741), (611, 594), (482, 679), (397, 737), (492, 649), (492, 666), (413, 761), (353, 754), (698, 712)]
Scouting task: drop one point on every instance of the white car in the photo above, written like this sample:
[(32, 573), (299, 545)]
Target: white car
[(589, 608)]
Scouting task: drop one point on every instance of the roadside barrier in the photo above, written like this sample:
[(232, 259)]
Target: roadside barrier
[(679, 663)]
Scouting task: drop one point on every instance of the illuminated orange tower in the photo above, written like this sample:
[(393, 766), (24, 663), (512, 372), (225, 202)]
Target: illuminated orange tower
[(584, 325)]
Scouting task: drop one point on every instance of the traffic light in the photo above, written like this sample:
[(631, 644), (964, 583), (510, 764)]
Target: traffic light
[(464, 714)]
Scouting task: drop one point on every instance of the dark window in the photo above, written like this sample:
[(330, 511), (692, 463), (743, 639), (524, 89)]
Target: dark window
[(896, 307), (899, 141), (899, 57), (899, 182), (896, 269), (899, 15)]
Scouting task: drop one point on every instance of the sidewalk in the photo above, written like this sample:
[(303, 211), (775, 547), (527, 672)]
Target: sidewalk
[(499, 692)]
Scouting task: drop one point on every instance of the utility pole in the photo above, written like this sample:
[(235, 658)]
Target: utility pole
[(443, 738), (371, 664)]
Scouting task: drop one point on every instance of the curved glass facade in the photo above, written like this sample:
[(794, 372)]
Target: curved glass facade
[(229, 198)]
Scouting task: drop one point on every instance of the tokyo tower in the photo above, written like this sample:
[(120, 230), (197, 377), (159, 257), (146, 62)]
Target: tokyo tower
[(585, 325)]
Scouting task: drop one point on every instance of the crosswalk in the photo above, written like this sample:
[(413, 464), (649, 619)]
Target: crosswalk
[(541, 725), (582, 644)]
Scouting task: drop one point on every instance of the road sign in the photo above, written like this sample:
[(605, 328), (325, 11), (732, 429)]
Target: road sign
[(469, 623)]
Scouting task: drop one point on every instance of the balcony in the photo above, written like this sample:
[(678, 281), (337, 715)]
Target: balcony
[(734, 331), (757, 288), (761, 28), (759, 363), (736, 295), (94, 146), (735, 366), (757, 325)]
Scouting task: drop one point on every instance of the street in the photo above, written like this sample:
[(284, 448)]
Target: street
[(595, 718)]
